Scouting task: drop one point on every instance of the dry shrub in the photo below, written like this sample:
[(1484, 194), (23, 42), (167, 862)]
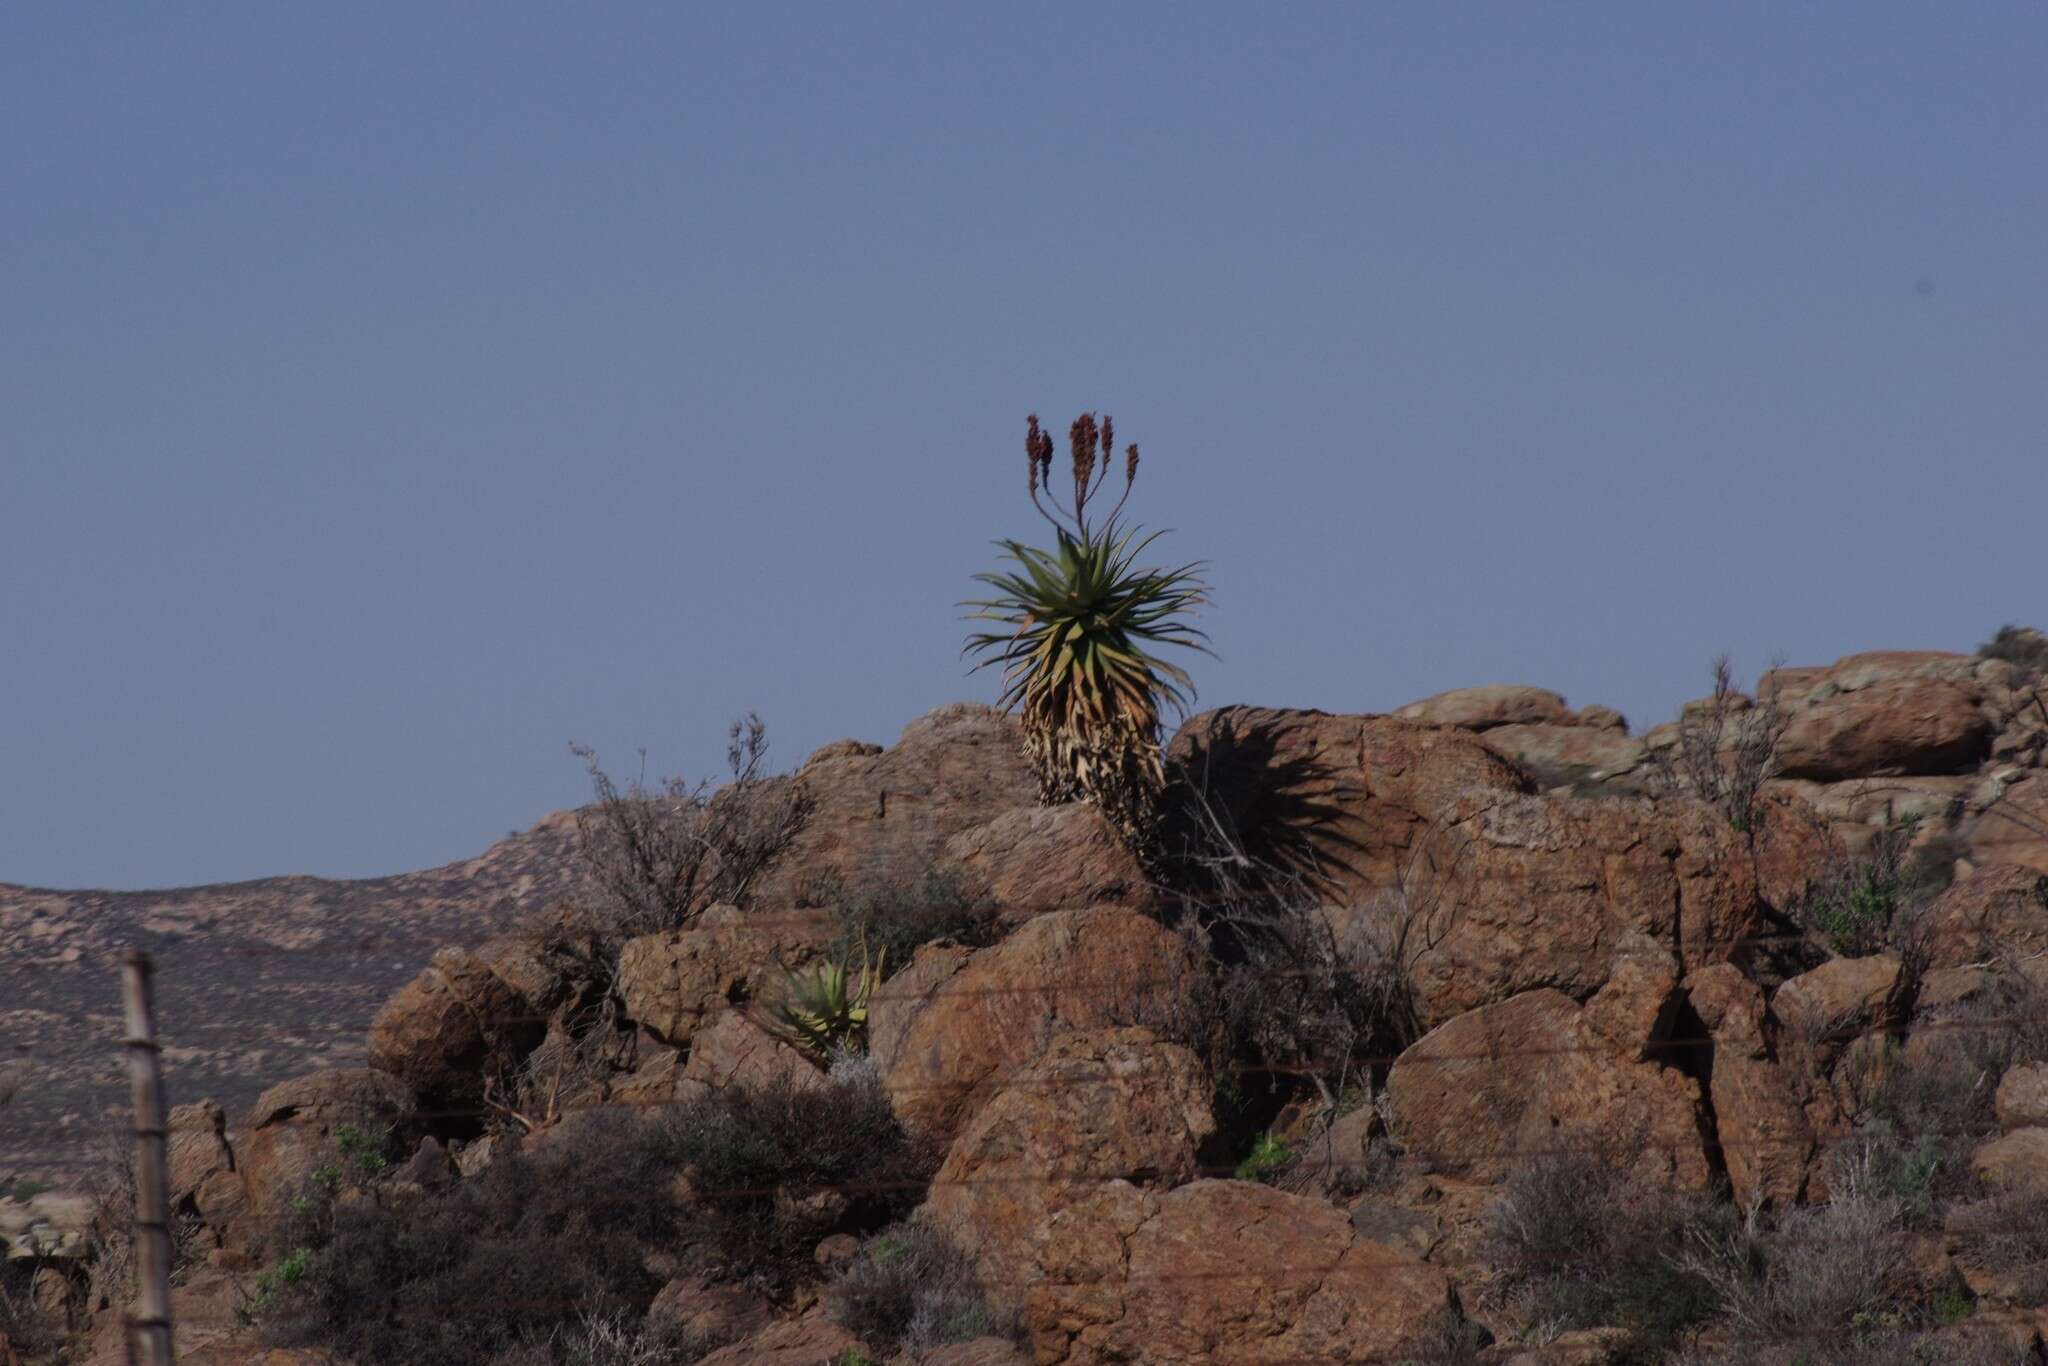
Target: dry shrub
[(613, 1339), (493, 1263), (912, 1289), (738, 1185), (1817, 1274), (24, 1327), (2022, 646), (1727, 748), (1579, 1242), (779, 1167), (1316, 992), (2007, 1234), (659, 855), (897, 917)]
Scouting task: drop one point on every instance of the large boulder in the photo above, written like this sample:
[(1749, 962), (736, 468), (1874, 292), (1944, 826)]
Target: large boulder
[(1498, 891), (1506, 1083), (970, 1029), (2001, 911), (1050, 858), (807, 1341), (736, 1052), (1863, 720), (876, 817), (1825, 1010), (449, 1029), (1533, 892), (1762, 1125), (674, 983), (1098, 1105), (2022, 1100), (1576, 757), (205, 1177), (1489, 706), (1224, 1271), (294, 1127), (1349, 801), (2012, 824)]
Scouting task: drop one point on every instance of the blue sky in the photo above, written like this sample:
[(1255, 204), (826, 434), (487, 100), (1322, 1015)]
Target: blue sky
[(391, 395)]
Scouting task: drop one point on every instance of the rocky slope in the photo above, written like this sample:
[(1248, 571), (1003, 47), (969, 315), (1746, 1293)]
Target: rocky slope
[(1593, 964)]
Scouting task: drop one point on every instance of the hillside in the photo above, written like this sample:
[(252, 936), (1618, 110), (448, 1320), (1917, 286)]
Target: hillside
[(257, 979)]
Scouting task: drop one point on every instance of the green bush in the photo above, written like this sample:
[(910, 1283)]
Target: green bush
[(1267, 1160), (1869, 904)]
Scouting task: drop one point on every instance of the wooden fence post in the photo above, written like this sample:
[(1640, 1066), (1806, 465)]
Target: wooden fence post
[(149, 1326)]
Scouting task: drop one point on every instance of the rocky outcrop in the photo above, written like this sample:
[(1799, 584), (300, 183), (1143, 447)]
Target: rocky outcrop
[(1039, 859), (1131, 1275), (969, 1032), (1500, 1085), (1893, 726), (2001, 912), (672, 984), (1350, 801), (1098, 1105), (293, 1128), (451, 1028), (877, 817), (1532, 892), (1490, 706), (1764, 1133)]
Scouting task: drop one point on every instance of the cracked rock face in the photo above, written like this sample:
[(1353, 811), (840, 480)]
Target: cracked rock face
[(1098, 1105), (1533, 1075), (1129, 1275)]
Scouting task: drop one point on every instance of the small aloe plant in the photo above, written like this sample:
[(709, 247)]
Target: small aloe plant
[(826, 1007)]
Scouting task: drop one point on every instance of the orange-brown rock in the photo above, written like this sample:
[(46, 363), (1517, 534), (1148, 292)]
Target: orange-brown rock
[(2013, 825), (1499, 1085), (1505, 891), (1355, 796), (807, 1341), (735, 1051), (2001, 911), (1824, 1014), (448, 1028), (1896, 725), (877, 817), (1489, 706), (994, 1015), (711, 1310), (1760, 1106), (2022, 1099), (291, 1128), (1225, 1272), (1556, 755), (1038, 859), (979, 1352), (205, 1176), (1097, 1105), (2020, 1158), (1543, 892), (673, 984)]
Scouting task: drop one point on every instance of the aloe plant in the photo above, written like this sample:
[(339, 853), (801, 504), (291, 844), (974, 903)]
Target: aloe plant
[(826, 1007), (1081, 622)]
